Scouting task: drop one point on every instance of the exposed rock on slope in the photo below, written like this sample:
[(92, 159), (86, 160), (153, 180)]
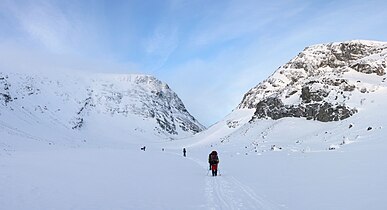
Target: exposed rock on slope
[(319, 82)]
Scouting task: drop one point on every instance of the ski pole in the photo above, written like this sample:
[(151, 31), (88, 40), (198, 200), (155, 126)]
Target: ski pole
[(209, 169)]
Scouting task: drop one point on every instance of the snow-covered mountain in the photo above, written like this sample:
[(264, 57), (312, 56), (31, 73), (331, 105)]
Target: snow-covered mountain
[(90, 107), (323, 82), (313, 101)]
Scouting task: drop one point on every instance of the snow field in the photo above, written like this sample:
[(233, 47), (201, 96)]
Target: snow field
[(99, 179)]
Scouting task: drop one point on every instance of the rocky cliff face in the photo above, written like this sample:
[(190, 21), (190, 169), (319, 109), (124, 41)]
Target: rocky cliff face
[(76, 102), (321, 82)]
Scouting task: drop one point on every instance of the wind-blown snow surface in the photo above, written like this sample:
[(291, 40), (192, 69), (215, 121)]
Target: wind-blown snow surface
[(289, 163)]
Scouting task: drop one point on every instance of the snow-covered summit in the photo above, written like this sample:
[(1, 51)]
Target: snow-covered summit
[(324, 82), (87, 106), (327, 97)]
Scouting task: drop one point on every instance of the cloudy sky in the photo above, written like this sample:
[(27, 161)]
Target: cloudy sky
[(209, 52)]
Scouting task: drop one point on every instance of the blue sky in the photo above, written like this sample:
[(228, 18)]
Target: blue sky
[(209, 52)]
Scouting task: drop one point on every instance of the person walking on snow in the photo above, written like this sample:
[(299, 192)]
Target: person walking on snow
[(184, 151), (213, 160)]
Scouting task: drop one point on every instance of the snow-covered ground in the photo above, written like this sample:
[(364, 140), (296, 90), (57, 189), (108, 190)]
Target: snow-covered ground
[(302, 174), (106, 178)]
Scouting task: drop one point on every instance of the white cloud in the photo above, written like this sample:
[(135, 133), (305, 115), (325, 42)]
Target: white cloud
[(238, 19), (161, 44), (57, 28), (17, 58)]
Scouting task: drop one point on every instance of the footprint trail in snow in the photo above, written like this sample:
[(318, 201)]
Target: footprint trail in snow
[(227, 192)]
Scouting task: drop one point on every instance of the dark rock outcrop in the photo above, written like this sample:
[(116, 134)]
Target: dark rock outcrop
[(274, 108)]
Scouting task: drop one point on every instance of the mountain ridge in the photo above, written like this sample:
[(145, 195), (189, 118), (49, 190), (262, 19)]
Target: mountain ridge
[(322, 104), (74, 103)]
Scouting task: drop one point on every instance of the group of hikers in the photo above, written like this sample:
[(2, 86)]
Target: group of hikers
[(213, 160)]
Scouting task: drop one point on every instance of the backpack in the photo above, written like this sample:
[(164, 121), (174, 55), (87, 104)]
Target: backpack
[(213, 159)]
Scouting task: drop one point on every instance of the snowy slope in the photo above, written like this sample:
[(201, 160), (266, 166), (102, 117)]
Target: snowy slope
[(325, 82), (81, 109)]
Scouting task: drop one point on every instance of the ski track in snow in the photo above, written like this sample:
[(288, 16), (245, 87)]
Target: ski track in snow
[(14, 131), (227, 192)]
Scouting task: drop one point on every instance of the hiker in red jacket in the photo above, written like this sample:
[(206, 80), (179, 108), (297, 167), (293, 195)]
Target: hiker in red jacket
[(213, 160)]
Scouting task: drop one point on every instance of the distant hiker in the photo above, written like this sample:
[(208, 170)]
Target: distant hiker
[(272, 147), (143, 148), (213, 160), (184, 152)]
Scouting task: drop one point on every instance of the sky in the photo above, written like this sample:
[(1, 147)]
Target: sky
[(209, 52)]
